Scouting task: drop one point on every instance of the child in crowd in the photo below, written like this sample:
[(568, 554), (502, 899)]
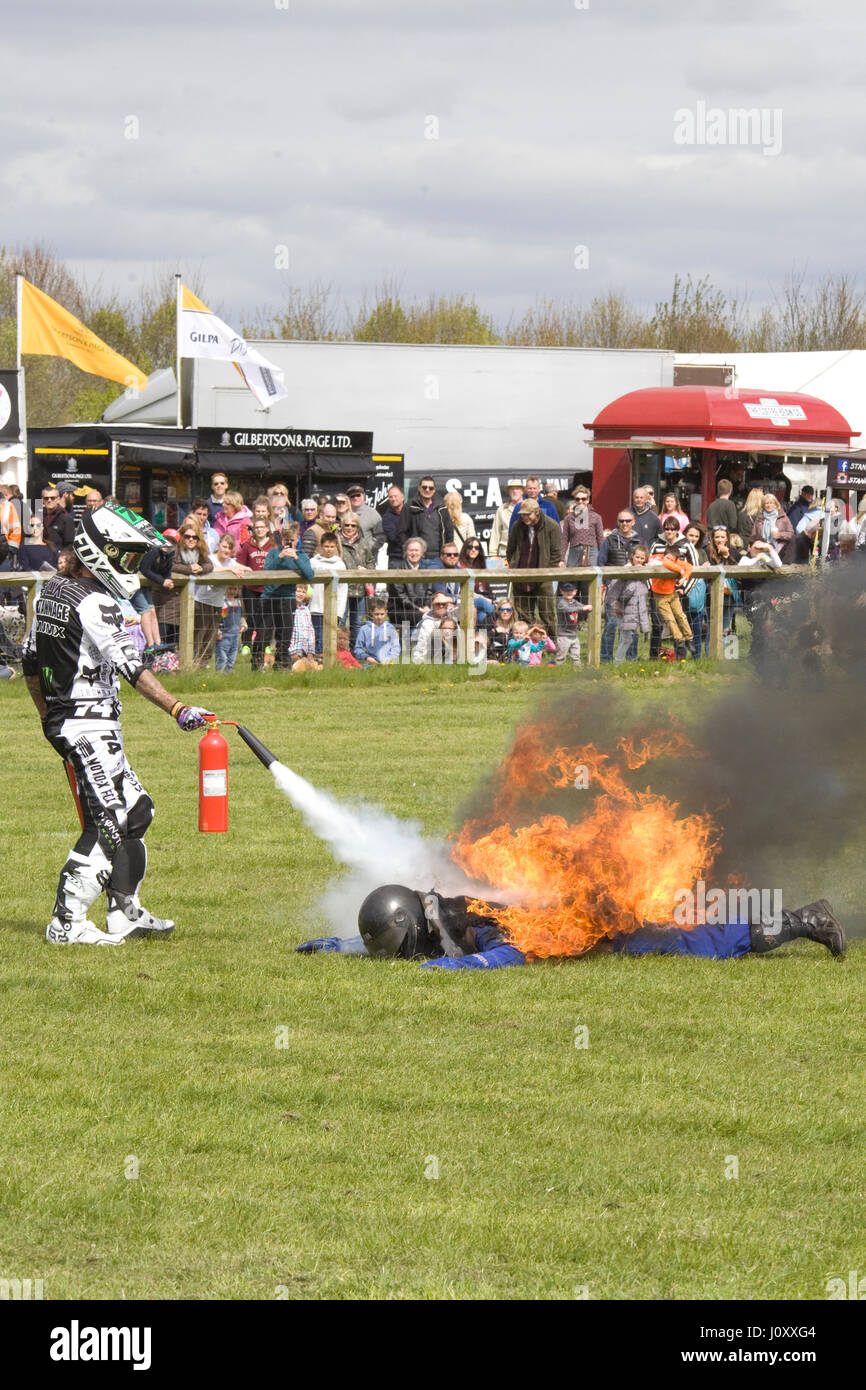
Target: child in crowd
[(518, 643), (327, 559), (302, 647), (667, 600), (569, 610), (539, 643), (344, 656), (630, 606), (378, 643)]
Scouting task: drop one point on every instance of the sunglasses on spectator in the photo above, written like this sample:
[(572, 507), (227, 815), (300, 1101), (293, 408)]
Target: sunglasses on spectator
[(627, 521), (506, 608), (426, 487)]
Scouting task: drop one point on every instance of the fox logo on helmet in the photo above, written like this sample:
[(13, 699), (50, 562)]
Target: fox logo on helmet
[(112, 543)]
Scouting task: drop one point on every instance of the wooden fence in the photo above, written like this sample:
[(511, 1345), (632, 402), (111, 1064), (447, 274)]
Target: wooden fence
[(593, 577)]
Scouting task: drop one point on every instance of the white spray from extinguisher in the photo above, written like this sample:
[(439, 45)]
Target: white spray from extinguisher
[(376, 846)]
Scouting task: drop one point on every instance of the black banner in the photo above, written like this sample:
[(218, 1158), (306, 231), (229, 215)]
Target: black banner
[(10, 420), (843, 474), (287, 441)]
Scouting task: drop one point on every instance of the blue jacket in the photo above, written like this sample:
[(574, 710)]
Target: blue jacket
[(300, 565), (382, 642)]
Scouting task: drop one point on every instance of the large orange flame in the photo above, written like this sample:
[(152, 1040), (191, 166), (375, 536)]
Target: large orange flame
[(574, 881)]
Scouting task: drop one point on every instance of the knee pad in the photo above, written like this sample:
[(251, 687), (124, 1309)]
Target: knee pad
[(139, 817)]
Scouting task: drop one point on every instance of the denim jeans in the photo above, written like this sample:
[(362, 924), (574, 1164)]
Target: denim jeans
[(229, 635)]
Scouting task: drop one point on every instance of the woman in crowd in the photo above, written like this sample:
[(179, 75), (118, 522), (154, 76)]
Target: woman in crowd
[(721, 552), (358, 554), (35, 552), (500, 630), (671, 507), (234, 519), (582, 532), (281, 511), (464, 526), (211, 603), (749, 515), (264, 511), (695, 534), (328, 560), (258, 609), (771, 524), (191, 558), (472, 557)]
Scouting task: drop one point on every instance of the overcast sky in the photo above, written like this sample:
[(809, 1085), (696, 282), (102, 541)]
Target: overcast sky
[(304, 123)]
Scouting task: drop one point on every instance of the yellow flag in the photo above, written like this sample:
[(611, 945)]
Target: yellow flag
[(50, 330)]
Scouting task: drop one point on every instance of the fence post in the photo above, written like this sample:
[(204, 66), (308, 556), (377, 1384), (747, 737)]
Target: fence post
[(30, 600), (596, 620), (329, 637), (467, 614), (717, 597), (186, 645)]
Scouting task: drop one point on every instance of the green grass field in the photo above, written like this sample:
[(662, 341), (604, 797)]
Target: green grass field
[(158, 1143)]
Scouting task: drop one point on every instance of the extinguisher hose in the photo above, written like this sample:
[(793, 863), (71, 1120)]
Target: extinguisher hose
[(263, 754)]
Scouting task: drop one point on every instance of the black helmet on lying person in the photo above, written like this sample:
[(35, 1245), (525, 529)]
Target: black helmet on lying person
[(392, 922)]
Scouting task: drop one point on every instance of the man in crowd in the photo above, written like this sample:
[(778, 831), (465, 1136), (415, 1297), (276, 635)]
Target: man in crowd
[(10, 518), (58, 525), (93, 498), (440, 607), (429, 519), (647, 526), (369, 519), (723, 511), (219, 486), (535, 542), (326, 525), (395, 526), (804, 503), (201, 509), (616, 549), (551, 493), (77, 648), (498, 544), (533, 494)]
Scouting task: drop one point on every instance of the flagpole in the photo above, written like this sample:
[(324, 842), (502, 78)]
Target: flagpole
[(19, 292), (179, 344)]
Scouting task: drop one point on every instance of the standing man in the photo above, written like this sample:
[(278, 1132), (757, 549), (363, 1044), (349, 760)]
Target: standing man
[(647, 527), (58, 526), (77, 648), (395, 526), (551, 494), (616, 550), (723, 512), (93, 498), (498, 543), (219, 486), (10, 518), (429, 518), (533, 494), (535, 542), (369, 519)]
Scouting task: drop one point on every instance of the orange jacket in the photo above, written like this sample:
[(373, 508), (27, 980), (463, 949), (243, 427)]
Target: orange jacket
[(10, 523), (680, 567)]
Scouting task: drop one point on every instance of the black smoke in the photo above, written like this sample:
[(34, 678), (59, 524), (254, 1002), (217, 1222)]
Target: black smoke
[(778, 755)]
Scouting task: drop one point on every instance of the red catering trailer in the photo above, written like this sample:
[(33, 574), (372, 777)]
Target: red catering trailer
[(682, 438)]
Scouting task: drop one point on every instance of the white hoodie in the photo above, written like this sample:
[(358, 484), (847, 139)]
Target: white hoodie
[(317, 599)]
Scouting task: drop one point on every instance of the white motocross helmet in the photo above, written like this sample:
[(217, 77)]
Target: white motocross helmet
[(112, 542)]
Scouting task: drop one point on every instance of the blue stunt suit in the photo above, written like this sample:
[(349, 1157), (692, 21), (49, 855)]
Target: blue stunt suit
[(472, 941)]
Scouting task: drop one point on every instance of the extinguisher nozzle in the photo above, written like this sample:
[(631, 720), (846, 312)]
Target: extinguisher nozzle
[(263, 754)]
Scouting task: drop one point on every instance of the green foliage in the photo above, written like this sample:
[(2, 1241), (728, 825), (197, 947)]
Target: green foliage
[(304, 1168), (438, 319)]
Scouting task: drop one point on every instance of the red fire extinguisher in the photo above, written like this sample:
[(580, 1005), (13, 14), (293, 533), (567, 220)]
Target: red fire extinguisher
[(213, 781)]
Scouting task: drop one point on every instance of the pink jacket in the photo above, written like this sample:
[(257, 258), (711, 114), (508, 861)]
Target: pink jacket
[(239, 523)]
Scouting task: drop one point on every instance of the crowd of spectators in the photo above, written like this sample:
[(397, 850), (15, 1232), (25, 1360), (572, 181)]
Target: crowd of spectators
[(281, 625)]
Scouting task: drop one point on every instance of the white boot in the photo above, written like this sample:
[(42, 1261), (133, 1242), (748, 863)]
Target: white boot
[(79, 933), (127, 918)]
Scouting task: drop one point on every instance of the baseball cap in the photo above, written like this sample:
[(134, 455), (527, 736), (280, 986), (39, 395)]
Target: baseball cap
[(355, 490), (529, 508), (568, 587)]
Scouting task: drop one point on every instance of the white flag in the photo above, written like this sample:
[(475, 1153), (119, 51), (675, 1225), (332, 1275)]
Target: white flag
[(204, 335)]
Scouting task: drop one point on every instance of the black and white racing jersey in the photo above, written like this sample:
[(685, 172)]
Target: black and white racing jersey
[(78, 646)]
